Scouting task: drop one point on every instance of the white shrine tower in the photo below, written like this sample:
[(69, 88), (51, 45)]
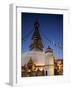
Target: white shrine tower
[(49, 61)]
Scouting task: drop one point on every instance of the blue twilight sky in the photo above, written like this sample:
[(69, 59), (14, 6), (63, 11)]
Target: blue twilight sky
[(51, 31)]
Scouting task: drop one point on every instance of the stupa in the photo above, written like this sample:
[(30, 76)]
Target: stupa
[(43, 60)]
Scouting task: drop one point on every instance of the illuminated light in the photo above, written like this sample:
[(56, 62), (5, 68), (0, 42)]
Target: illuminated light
[(41, 69), (28, 70)]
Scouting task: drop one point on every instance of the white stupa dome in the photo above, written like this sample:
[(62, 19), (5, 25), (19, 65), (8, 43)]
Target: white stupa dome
[(37, 56)]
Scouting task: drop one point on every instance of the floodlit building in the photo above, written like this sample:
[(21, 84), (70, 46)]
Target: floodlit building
[(58, 67)]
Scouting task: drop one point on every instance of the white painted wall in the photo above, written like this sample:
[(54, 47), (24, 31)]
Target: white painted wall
[(4, 44), (49, 60)]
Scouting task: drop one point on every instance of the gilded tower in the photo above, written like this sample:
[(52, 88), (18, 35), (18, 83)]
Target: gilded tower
[(36, 43)]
